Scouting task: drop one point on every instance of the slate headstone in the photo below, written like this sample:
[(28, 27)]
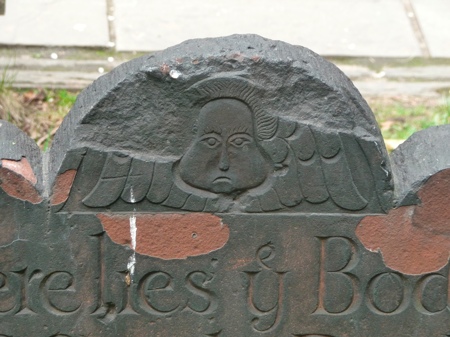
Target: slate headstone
[(227, 187)]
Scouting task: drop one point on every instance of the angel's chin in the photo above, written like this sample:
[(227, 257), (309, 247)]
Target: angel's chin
[(222, 185)]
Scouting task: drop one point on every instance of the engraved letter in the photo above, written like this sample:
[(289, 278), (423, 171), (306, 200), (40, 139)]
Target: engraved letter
[(7, 297), (386, 294), (267, 307), (204, 302), (432, 294), (156, 294), (339, 291), (56, 290)]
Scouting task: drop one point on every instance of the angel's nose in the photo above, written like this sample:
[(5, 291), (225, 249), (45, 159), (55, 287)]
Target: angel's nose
[(224, 163)]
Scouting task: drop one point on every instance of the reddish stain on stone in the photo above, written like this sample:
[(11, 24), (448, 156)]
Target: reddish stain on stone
[(434, 211), (168, 236), (17, 179), (239, 263), (415, 239), (256, 58), (165, 69), (21, 167), (237, 56), (62, 187)]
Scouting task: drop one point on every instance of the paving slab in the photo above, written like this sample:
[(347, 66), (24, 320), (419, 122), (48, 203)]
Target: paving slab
[(55, 22), (387, 88), (433, 16), (72, 80), (377, 28), (424, 82), (425, 73)]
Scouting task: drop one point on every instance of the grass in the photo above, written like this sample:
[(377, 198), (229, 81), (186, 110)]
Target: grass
[(399, 118), (7, 78), (38, 112)]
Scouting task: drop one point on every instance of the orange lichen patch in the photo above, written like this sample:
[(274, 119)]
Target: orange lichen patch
[(168, 236), (434, 211), (62, 187), (17, 186), (21, 167), (415, 239)]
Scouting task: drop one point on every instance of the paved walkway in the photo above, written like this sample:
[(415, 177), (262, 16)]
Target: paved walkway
[(401, 29), (377, 28)]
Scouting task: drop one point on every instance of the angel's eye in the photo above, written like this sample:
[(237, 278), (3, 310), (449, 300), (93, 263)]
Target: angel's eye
[(240, 140), (211, 141)]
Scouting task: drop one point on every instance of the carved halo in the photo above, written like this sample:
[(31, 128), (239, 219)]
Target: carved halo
[(224, 86)]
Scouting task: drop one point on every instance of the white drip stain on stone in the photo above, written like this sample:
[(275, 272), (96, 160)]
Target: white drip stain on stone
[(132, 198), (133, 232), (132, 260)]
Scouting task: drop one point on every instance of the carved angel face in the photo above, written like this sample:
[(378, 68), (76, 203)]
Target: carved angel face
[(224, 156)]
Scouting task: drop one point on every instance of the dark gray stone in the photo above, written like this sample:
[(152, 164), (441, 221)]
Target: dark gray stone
[(224, 187), (425, 153)]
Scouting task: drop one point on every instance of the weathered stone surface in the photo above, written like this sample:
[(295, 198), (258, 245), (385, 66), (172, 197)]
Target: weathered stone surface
[(414, 239), (422, 155), (224, 187)]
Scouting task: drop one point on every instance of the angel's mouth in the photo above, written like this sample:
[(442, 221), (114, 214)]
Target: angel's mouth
[(222, 180)]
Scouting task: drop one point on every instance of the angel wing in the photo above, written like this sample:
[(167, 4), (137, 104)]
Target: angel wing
[(134, 180), (316, 166)]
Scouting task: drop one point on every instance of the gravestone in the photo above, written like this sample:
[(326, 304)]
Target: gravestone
[(226, 187)]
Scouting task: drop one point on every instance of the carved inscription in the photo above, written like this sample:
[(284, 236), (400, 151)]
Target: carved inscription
[(428, 294), (57, 291), (338, 257), (25, 291), (342, 291), (155, 293), (267, 310), (160, 294)]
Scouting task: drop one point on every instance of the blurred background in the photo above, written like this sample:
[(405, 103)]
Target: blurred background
[(397, 52)]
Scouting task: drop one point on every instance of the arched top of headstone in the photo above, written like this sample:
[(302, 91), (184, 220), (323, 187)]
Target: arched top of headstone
[(20, 164), (234, 123)]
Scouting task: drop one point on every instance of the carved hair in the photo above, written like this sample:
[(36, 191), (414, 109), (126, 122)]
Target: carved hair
[(241, 89)]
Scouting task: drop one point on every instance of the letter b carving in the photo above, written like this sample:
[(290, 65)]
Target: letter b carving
[(338, 287)]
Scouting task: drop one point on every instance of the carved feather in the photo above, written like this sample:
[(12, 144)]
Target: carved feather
[(338, 177), (138, 181), (162, 182), (111, 182)]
